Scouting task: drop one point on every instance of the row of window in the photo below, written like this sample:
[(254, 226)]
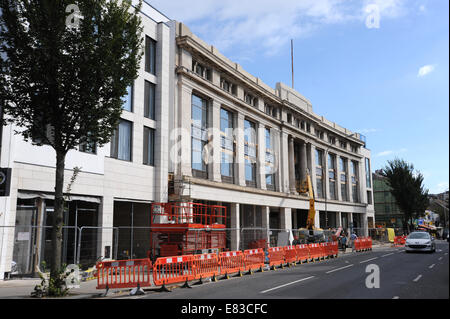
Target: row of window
[(122, 143), (333, 174), (199, 142)]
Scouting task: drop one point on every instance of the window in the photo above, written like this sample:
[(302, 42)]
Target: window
[(369, 197), (227, 145), (250, 152), (319, 173), (332, 175), (308, 127), (150, 55), (250, 99), (201, 70), (354, 180), (149, 102), (228, 86), (303, 125), (368, 174), (275, 112), (149, 146), (320, 134), (121, 141), (199, 135), (343, 177), (128, 103), (270, 161), (331, 140), (343, 144), (354, 148), (289, 118)]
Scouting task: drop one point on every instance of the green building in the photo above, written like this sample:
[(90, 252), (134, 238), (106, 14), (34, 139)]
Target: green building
[(387, 212)]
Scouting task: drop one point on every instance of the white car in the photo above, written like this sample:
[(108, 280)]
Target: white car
[(420, 241)]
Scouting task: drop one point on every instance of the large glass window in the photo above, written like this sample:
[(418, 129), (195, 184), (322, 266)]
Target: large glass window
[(199, 135), (121, 142), (149, 102), (319, 173), (270, 161), (332, 175), (227, 145), (343, 177), (250, 152), (368, 174), (150, 55), (149, 146), (354, 181)]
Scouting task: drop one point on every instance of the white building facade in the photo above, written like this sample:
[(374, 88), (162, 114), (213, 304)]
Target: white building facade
[(115, 184), (261, 143)]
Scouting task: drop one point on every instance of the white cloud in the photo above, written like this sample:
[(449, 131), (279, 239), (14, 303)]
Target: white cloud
[(390, 152), (426, 69), (266, 26), (367, 130)]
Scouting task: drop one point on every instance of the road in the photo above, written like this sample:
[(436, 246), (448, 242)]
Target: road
[(401, 276)]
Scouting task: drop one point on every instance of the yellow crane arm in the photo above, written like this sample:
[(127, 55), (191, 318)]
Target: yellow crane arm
[(307, 188)]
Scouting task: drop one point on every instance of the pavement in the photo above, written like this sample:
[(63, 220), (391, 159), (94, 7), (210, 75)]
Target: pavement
[(22, 288)]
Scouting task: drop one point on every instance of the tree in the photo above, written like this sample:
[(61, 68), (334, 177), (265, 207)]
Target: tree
[(65, 67), (407, 188)]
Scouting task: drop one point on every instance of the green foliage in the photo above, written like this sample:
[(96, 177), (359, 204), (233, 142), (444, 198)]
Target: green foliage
[(63, 85), (406, 187), (54, 287)]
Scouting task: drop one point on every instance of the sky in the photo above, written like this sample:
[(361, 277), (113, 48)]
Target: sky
[(377, 67)]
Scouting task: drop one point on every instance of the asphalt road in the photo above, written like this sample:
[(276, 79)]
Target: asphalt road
[(401, 276)]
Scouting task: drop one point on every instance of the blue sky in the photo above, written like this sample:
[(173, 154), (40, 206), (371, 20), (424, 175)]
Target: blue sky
[(388, 81)]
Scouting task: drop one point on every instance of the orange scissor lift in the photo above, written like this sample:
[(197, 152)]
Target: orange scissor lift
[(186, 228)]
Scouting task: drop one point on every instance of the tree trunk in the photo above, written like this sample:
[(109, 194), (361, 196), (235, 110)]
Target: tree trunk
[(58, 215)]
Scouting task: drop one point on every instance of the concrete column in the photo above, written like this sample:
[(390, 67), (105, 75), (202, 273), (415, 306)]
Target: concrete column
[(265, 211), (317, 219), (106, 221), (284, 154), (261, 160), (350, 221), (285, 218), (163, 94), (292, 187), (184, 134), (235, 226), (362, 181), (214, 133), (240, 160), (338, 220)]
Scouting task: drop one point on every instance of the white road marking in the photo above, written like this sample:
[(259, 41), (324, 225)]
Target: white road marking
[(418, 278), (432, 266), (291, 283), (361, 262), (440, 258), (387, 255), (396, 297), (329, 272)]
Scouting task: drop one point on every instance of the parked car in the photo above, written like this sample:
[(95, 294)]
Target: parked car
[(420, 241)]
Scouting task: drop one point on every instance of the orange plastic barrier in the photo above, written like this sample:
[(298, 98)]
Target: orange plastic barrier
[(399, 241), (254, 259), (334, 248), (169, 270), (205, 265), (302, 253), (290, 254), (315, 251), (276, 256), (231, 262), (124, 274), (326, 250)]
